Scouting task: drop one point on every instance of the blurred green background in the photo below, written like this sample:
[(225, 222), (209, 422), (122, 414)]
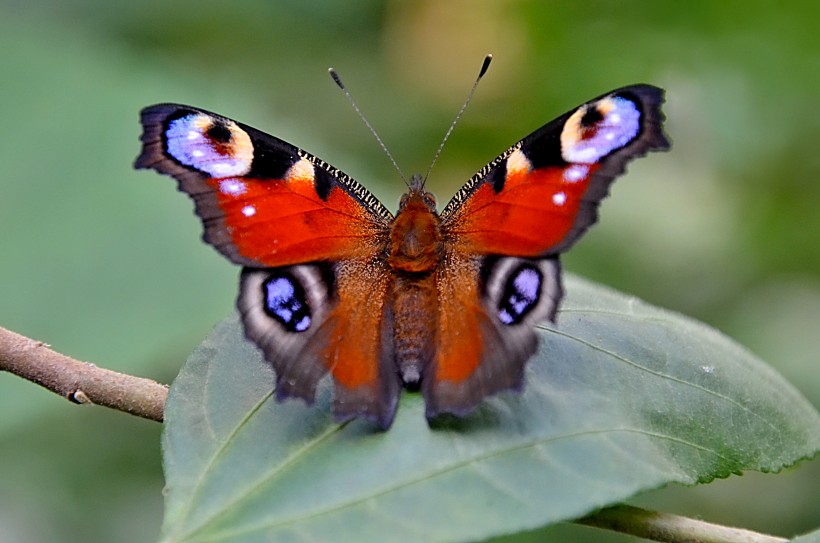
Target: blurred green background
[(105, 263)]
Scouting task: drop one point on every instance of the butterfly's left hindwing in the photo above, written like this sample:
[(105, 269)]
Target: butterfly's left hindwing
[(487, 316)]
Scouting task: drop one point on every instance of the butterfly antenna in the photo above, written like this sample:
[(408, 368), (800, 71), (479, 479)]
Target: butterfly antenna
[(358, 111), (484, 66)]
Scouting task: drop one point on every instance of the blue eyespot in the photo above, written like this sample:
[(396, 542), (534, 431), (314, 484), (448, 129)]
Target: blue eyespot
[(285, 302), (216, 147), (603, 127), (521, 294)]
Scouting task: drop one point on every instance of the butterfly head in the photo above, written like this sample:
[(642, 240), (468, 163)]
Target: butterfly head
[(417, 197), (415, 236)]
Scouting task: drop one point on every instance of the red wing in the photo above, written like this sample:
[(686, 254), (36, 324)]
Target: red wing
[(263, 202), (540, 196)]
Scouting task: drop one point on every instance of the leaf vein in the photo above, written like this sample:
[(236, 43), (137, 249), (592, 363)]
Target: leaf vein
[(211, 462), (262, 526), (667, 376), (259, 483)]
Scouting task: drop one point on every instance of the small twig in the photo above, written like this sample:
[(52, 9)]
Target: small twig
[(669, 528), (80, 382)]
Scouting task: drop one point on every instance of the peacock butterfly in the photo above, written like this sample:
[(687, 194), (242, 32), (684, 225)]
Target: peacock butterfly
[(333, 282)]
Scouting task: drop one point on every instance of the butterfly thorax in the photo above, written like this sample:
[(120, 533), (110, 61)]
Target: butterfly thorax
[(415, 235)]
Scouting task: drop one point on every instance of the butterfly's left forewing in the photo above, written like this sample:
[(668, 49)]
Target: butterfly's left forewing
[(505, 229), (541, 195), (312, 292)]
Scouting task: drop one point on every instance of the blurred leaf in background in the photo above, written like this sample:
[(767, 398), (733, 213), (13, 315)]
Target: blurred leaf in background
[(105, 263)]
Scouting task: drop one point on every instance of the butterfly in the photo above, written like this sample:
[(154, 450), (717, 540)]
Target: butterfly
[(333, 283)]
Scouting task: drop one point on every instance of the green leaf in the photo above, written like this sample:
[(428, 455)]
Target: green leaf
[(622, 397)]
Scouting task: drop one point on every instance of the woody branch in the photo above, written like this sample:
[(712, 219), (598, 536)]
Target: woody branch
[(80, 382)]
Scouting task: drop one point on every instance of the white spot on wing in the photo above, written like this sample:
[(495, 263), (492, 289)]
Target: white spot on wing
[(559, 198), (232, 187), (249, 211), (576, 173)]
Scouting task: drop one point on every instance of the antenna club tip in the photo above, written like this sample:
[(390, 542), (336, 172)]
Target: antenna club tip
[(336, 78), (485, 65)]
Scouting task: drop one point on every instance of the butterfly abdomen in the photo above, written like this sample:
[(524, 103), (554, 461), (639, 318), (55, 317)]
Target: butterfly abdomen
[(414, 312)]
